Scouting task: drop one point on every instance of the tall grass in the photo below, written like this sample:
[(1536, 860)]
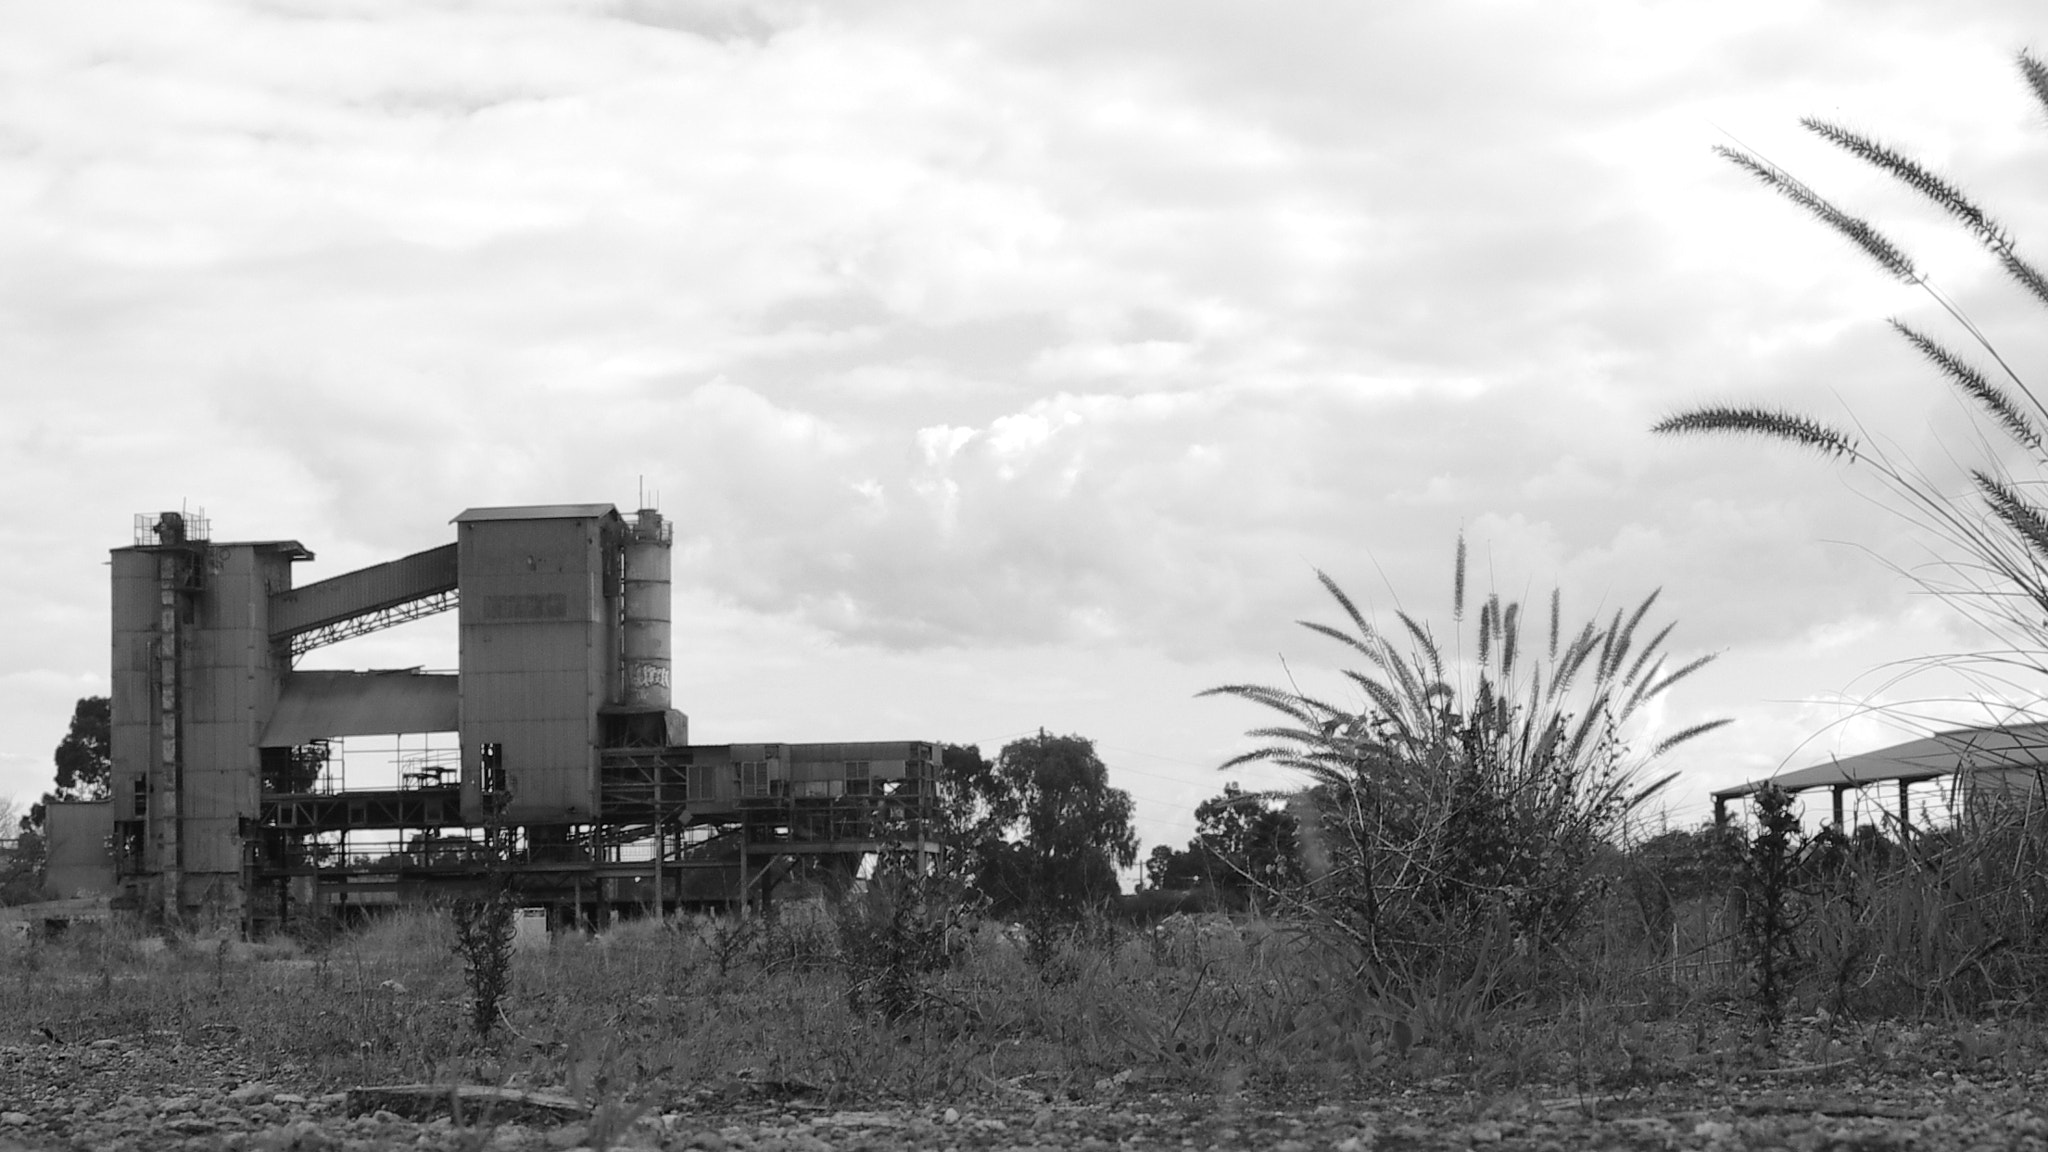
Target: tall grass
[(1457, 799), (1953, 923), (647, 1014)]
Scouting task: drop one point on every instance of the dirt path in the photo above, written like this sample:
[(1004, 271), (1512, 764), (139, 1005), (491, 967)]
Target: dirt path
[(162, 1092)]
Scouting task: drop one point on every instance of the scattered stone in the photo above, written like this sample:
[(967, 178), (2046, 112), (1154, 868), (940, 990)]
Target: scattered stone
[(510, 1138), (569, 1136), (862, 1120), (253, 1093), (1714, 1130), (467, 1103)]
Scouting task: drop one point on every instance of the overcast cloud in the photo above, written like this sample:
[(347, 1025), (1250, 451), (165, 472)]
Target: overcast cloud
[(1003, 365)]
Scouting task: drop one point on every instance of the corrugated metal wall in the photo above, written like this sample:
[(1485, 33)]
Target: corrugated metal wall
[(231, 688), (227, 689), (537, 652), (79, 863), (132, 741), (886, 759)]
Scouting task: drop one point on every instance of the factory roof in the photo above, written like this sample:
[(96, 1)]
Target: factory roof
[(1942, 754), (291, 548), (536, 512)]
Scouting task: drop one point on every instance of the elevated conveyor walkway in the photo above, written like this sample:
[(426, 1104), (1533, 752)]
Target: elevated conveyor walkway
[(366, 600)]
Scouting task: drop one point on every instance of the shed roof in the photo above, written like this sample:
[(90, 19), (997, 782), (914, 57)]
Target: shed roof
[(536, 512), (1942, 754)]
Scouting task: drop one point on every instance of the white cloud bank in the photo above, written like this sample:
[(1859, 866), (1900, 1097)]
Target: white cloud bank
[(1002, 366)]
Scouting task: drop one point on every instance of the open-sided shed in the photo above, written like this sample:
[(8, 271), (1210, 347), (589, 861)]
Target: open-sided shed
[(2006, 758)]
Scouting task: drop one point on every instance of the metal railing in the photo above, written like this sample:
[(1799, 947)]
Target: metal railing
[(152, 529)]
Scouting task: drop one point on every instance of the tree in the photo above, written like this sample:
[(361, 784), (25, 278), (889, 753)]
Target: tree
[(84, 759), (1170, 869), (1256, 843), (1045, 830), (21, 859), (1243, 842), (1997, 530), (85, 755), (12, 870), (974, 791), (1457, 792)]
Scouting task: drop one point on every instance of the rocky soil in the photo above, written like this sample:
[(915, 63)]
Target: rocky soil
[(167, 1092)]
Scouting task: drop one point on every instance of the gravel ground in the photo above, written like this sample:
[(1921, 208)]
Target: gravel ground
[(161, 1092)]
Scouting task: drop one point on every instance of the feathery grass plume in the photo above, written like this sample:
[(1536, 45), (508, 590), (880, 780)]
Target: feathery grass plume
[(1635, 670), (1446, 796), (1510, 641), (2017, 513), (1995, 570), (2036, 76), (1859, 232), (1769, 422), (1486, 626), (1972, 383), (2026, 274), (1911, 173), (1556, 614), (1943, 195), (1458, 582)]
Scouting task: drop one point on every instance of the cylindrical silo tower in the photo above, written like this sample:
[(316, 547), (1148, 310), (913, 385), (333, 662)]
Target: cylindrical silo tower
[(644, 647)]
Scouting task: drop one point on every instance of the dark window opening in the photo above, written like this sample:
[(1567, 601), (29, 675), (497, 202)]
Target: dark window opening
[(493, 760)]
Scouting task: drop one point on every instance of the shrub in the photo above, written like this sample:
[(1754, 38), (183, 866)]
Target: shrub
[(484, 930), (906, 925), (1463, 793), (1773, 911)]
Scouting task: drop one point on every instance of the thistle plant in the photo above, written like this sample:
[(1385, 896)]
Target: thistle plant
[(1459, 789), (485, 926), (1995, 528), (1772, 917)]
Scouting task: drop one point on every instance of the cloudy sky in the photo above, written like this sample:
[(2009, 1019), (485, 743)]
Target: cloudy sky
[(1003, 365)]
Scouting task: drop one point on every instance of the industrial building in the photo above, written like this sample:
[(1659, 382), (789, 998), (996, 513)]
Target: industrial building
[(562, 760)]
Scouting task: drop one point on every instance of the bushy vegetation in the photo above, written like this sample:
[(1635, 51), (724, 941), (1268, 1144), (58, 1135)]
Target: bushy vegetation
[(1458, 800), (909, 991), (1954, 919), (1040, 830), (484, 930), (1245, 844), (1949, 924)]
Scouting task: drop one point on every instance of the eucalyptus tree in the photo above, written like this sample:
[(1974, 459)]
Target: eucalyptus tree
[(1044, 831)]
